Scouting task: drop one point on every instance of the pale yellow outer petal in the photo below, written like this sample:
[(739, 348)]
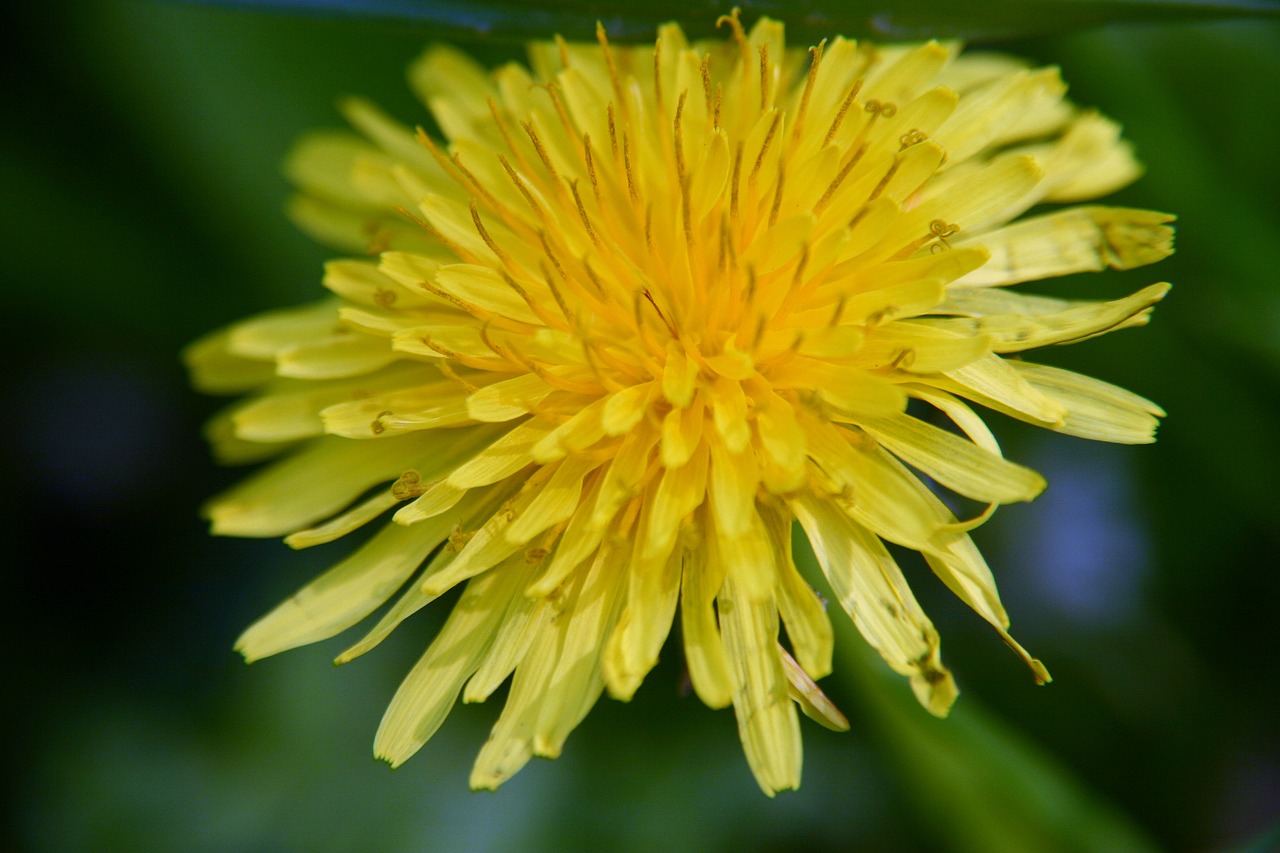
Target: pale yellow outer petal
[(346, 593), (430, 689), (767, 720), (954, 462), (870, 587), (1078, 239)]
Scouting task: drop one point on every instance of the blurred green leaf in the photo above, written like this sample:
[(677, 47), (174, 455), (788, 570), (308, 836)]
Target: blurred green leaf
[(978, 784), (806, 19)]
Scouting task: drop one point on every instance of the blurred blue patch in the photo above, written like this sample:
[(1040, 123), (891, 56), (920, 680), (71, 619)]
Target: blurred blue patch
[(1085, 550)]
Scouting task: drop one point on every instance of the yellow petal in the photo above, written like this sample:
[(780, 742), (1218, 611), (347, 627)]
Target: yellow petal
[(624, 409), (681, 433), (526, 618), (576, 682), (317, 481), (732, 485), (556, 501), (803, 612), (871, 589), (485, 288), (809, 697), (918, 347), (767, 722), (954, 462), (508, 399), (876, 493), (679, 493), (471, 511), (430, 689), (679, 376), (1095, 409), (704, 650), (345, 594), (340, 525), (993, 383), (501, 459), (1080, 239), (652, 591), (1022, 330), (215, 369), (339, 356), (510, 744)]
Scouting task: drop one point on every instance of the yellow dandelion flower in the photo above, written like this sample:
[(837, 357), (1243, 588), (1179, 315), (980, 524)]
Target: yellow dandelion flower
[(643, 310)]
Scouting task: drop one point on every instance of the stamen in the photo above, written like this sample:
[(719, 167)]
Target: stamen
[(777, 193), (557, 295), (679, 136), (559, 106), (489, 342), (764, 148), (626, 161), (419, 221), (518, 180), (838, 314), (657, 76), (409, 485), (484, 235), (800, 267), (447, 164), (648, 295), (458, 538), (739, 35), (815, 60), (603, 38), (588, 355), (834, 185), (551, 255), (378, 427), (487, 364), (473, 310), (884, 181), (560, 382), (613, 132), (722, 260), (642, 327), (766, 79), (888, 109), (582, 213), (534, 305), (735, 179), (506, 132), (542, 152), (941, 230), (705, 70), (758, 335), (626, 368), (447, 369), (593, 276), (914, 136), (478, 187), (564, 50), (686, 214), (844, 108), (857, 217), (589, 156)]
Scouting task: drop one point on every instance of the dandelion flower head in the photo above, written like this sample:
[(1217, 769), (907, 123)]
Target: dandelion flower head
[(635, 314)]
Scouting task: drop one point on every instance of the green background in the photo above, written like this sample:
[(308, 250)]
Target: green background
[(142, 194)]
